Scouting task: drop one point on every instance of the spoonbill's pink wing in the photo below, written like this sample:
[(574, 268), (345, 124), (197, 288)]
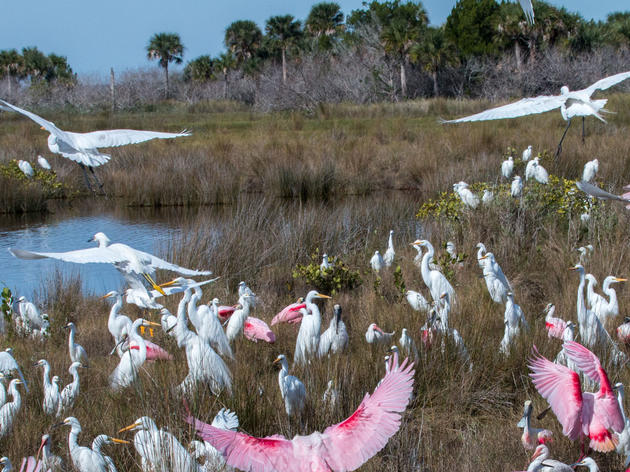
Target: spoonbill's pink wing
[(246, 452), (154, 352), (555, 327), (256, 329), (598, 428), (225, 312), (560, 386), (30, 464), (289, 314), (588, 363), (349, 444)]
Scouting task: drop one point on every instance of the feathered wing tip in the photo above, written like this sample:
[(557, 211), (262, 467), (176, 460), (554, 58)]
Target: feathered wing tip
[(30, 464), (185, 132)]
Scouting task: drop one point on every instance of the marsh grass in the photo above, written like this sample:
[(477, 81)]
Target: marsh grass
[(459, 419)]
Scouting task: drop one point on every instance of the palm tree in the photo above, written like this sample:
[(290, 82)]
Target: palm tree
[(243, 38), (166, 48), (224, 63), (36, 64), (11, 66), (284, 31), (512, 30), (324, 22), (434, 51), (200, 69)]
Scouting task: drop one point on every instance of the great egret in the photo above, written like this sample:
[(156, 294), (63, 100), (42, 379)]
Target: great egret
[(43, 163), (335, 339), (590, 170), (389, 255), (9, 365), (307, 342), (588, 462), (291, 388), (466, 196), (160, 450), (516, 188), (128, 369), (408, 345), (26, 168), (344, 446), (507, 167), (244, 290), (375, 335), (51, 389), (31, 317), (623, 447), (102, 440), (134, 265), (49, 461), (83, 458), (206, 322), (417, 301), (10, 409), (435, 281), (571, 104), (224, 419), (76, 351), (290, 313), (541, 461), (70, 392), (531, 436), (204, 364), (496, 281), (604, 309), (592, 332), (236, 323), (377, 262), (325, 265), (83, 148), (596, 415), (256, 330), (513, 320), (527, 153), (117, 323)]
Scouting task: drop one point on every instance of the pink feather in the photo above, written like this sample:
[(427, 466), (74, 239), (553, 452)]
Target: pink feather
[(225, 312), (289, 314), (555, 327), (154, 352), (344, 446), (256, 330), (30, 464)]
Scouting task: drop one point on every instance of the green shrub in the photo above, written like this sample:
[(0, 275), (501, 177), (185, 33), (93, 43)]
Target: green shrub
[(335, 279)]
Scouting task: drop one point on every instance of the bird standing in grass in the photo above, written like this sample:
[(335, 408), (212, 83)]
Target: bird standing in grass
[(26, 168), (291, 388), (375, 335), (377, 262), (531, 436), (307, 342), (389, 255), (527, 154), (10, 409), (507, 167), (335, 339), (590, 170), (76, 351)]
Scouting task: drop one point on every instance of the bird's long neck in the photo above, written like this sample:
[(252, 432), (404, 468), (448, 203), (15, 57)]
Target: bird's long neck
[(581, 307), (73, 440), (16, 401), (47, 375), (390, 242), (550, 313), (590, 288), (284, 371), (424, 268), (74, 371), (620, 397), (71, 338), (114, 312), (612, 295), (182, 332), (192, 307), (98, 443)]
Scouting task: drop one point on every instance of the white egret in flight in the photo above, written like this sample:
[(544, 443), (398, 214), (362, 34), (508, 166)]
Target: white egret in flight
[(134, 265), (571, 104), (83, 148)]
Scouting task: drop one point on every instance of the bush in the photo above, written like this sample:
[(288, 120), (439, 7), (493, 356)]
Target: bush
[(335, 279)]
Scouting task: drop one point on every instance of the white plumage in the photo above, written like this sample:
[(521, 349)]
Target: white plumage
[(590, 170), (417, 301), (375, 335), (43, 163), (467, 197), (540, 173), (9, 365), (487, 197), (76, 351), (26, 168), (507, 167), (527, 153), (516, 189), (388, 258), (335, 339), (291, 388), (307, 342), (377, 262)]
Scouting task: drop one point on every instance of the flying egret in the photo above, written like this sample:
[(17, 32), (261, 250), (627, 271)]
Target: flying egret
[(50, 461), (43, 163), (26, 168), (70, 392), (595, 415), (102, 440), (377, 262), (595, 191), (325, 265), (531, 436), (375, 335), (571, 104), (335, 339), (291, 388), (224, 419), (435, 281), (389, 255), (9, 365), (134, 265), (516, 188), (10, 409), (527, 153), (466, 196), (307, 342), (344, 446), (76, 351), (83, 148), (590, 169), (507, 167), (290, 313), (51, 389), (83, 458)]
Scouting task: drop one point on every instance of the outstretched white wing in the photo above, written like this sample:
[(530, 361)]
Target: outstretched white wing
[(102, 255), (526, 106), (47, 125), (528, 9), (607, 82), (120, 137), (597, 192), (157, 263)]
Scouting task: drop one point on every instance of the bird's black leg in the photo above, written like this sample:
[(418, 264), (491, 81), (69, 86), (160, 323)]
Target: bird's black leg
[(87, 180), (559, 150), (98, 182), (583, 131)]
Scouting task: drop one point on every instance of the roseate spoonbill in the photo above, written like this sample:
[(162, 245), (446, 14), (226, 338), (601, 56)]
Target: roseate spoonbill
[(594, 415), (51, 390), (375, 335), (9, 365), (291, 388), (49, 460), (389, 255), (26, 168), (590, 170), (307, 342), (435, 281), (325, 265), (134, 265), (335, 339), (256, 330), (290, 313), (516, 188), (377, 262), (507, 167), (76, 351), (344, 446), (527, 153), (555, 326), (531, 436), (83, 148), (43, 163), (466, 196), (10, 409), (542, 463), (70, 392), (571, 104)]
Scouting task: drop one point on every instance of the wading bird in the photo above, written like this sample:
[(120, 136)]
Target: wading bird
[(51, 389), (134, 265), (26, 168), (256, 330), (417, 301), (43, 163), (623, 447), (594, 415), (83, 148), (595, 191), (307, 342), (8, 365), (291, 388), (10, 409), (542, 463), (325, 265), (507, 167), (76, 351), (554, 326), (335, 339), (516, 188), (527, 154), (50, 461), (389, 255), (70, 392), (375, 335), (496, 282), (435, 281), (571, 104), (224, 419), (590, 169), (102, 440), (344, 446), (466, 196), (236, 323), (604, 309), (531, 436), (377, 262), (408, 345), (290, 313)]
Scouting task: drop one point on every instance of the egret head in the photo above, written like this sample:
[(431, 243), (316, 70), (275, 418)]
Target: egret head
[(56, 380), (143, 423), (21, 299), (101, 239), (111, 294), (5, 462), (564, 90)]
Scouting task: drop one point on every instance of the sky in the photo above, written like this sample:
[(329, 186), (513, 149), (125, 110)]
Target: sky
[(97, 35)]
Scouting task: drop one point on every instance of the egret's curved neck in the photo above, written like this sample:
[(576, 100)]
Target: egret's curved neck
[(71, 337), (612, 294), (182, 332), (74, 371), (581, 307), (73, 439), (424, 268), (16, 397), (46, 375), (390, 242)]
